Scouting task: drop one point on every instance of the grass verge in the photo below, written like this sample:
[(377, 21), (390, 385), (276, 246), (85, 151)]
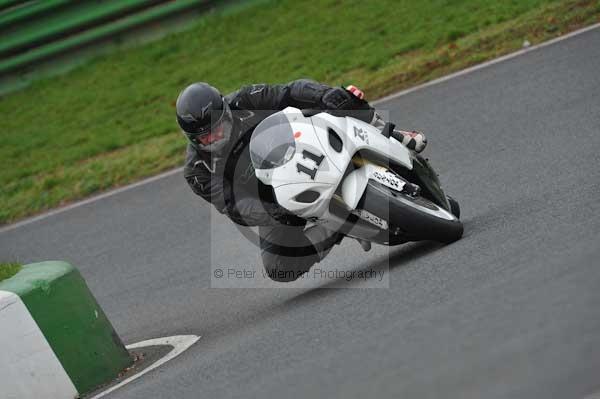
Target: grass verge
[(7, 270), (112, 121)]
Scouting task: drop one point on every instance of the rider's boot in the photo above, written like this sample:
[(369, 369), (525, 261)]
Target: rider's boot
[(322, 239), (414, 140), (365, 245)]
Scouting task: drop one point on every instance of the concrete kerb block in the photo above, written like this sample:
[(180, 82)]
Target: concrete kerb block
[(55, 340)]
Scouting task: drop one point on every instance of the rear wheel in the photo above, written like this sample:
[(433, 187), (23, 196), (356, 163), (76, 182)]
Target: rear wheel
[(415, 217)]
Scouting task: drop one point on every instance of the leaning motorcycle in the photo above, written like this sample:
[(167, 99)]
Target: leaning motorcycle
[(351, 177)]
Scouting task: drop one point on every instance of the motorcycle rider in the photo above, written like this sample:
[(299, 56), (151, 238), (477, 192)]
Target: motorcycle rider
[(218, 166)]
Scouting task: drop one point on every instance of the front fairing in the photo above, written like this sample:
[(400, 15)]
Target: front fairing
[(289, 156), (294, 154)]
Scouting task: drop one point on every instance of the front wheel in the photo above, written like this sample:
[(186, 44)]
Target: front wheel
[(454, 206), (416, 217)]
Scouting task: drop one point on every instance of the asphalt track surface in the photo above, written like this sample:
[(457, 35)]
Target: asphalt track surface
[(510, 311)]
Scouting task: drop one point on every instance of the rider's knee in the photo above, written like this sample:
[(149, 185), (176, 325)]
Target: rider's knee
[(286, 269)]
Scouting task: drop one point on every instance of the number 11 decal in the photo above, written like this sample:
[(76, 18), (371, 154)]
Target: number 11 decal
[(317, 159)]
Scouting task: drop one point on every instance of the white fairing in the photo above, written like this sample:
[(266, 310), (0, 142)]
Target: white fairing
[(356, 182), (318, 166)]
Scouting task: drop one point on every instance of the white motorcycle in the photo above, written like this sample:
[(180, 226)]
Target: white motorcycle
[(348, 176)]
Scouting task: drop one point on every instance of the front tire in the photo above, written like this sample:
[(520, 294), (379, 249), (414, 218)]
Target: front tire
[(454, 207), (417, 218)]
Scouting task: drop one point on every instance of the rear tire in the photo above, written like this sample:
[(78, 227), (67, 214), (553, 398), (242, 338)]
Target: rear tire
[(417, 217)]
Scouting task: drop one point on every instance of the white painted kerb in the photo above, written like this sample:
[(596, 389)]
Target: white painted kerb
[(179, 343), (29, 369)]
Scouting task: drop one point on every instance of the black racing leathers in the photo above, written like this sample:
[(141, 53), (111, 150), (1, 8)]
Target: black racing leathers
[(228, 181)]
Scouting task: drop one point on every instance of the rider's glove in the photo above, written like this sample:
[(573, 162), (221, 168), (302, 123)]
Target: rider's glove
[(356, 91), (338, 98)]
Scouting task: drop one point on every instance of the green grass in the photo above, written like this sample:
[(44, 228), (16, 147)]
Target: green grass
[(7, 270), (112, 121)]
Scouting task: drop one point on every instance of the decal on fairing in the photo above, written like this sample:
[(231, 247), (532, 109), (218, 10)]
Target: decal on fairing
[(389, 179), (369, 217), (361, 134), (317, 159)]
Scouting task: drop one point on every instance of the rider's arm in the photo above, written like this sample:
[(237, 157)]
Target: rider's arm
[(202, 182), (303, 94)]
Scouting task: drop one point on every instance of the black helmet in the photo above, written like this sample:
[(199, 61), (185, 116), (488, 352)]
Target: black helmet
[(204, 116)]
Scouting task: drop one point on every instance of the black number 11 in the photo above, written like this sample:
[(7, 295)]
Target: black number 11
[(317, 160)]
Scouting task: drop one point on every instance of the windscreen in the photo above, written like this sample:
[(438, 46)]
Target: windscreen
[(272, 143)]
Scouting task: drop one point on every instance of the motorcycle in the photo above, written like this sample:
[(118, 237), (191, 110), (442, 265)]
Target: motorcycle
[(351, 177)]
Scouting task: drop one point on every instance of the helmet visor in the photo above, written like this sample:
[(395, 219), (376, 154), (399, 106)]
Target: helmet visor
[(215, 136)]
